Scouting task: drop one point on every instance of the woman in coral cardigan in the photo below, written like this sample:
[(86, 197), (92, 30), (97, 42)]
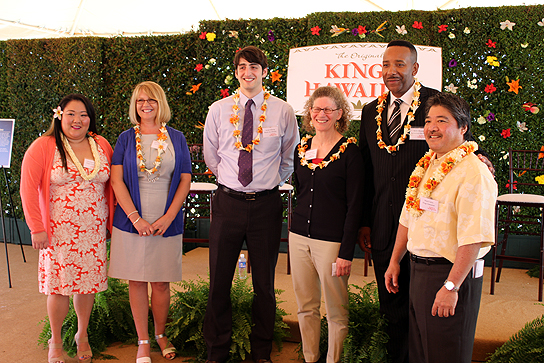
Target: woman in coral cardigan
[(67, 201)]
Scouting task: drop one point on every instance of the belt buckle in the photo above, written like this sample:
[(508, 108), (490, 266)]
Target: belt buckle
[(250, 196)]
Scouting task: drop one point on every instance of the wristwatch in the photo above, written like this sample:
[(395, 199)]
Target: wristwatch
[(450, 286)]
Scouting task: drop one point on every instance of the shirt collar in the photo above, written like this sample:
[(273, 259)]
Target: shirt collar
[(257, 100), (406, 97)]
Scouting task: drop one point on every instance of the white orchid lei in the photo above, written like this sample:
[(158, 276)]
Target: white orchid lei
[(162, 137), (75, 160), (235, 120), (450, 160), (411, 117), (304, 145)]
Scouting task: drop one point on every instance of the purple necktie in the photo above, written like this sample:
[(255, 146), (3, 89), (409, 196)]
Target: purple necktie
[(245, 160)]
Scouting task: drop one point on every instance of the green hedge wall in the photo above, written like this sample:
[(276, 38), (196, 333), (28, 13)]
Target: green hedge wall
[(196, 67)]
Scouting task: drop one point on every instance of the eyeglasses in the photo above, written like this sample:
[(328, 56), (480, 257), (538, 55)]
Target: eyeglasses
[(327, 111), (151, 102)]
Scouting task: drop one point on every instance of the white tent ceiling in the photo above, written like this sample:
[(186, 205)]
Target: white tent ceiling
[(21, 19)]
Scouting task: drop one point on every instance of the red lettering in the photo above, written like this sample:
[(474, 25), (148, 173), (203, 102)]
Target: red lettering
[(378, 73), (331, 71), (359, 70), (345, 87), (309, 88), (360, 91)]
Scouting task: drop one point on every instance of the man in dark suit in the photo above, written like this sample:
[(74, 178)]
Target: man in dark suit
[(390, 153), (392, 142)]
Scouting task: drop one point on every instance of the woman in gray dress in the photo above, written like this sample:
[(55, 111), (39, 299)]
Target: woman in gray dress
[(151, 176)]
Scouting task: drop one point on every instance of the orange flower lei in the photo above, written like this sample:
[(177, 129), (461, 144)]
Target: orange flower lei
[(160, 150), (450, 160), (302, 153), (411, 112), (234, 119)]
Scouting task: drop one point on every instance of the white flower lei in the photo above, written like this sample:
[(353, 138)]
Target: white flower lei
[(160, 150), (450, 160), (234, 119), (411, 117), (75, 160), (302, 153)]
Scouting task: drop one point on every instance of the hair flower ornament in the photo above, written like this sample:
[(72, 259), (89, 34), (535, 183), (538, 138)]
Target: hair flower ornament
[(57, 113)]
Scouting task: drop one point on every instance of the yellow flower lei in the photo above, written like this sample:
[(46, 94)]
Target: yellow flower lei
[(160, 150), (411, 117), (450, 160), (302, 153), (75, 160), (234, 119)]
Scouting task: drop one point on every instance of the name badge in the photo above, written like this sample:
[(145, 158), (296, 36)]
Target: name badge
[(155, 145), (311, 154), (89, 164), (271, 131), (416, 133), (428, 204)]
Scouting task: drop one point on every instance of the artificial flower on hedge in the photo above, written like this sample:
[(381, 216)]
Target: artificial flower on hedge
[(401, 30), (419, 25), (194, 88), (514, 85), (336, 31), (540, 179), (467, 30), (452, 63), (233, 34), (210, 37), (315, 30), (224, 93), (199, 67), (490, 88), (505, 133), (275, 76), (521, 126), (530, 107), (491, 44), (507, 24), (492, 61), (451, 88), (442, 28)]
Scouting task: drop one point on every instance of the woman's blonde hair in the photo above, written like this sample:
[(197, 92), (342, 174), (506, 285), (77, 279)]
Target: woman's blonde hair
[(338, 98), (154, 91)]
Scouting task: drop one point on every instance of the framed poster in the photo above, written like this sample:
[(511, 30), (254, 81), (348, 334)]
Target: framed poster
[(354, 68), (6, 141)]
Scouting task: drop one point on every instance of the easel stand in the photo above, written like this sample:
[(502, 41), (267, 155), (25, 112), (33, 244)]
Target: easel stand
[(4, 225)]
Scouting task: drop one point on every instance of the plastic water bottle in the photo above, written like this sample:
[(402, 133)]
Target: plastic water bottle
[(242, 267)]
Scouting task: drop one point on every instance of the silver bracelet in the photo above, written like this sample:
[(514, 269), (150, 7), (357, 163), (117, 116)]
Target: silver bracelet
[(136, 221), (132, 213)]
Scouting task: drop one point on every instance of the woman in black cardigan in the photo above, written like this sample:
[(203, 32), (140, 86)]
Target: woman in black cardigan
[(329, 183)]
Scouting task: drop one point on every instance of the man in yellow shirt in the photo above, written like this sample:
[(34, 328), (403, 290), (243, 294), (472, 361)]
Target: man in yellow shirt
[(446, 225)]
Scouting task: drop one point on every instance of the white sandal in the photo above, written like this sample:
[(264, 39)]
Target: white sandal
[(167, 350), (143, 359)]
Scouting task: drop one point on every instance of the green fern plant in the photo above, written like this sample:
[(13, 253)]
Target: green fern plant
[(366, 339), (111, 321), (527, 345), (187, 319)]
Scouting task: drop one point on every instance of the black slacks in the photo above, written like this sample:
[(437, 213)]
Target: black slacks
[(394, 306), (258, 222), (434, 339)]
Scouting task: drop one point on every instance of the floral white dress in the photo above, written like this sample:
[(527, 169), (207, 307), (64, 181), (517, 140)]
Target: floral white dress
[(76, 260)]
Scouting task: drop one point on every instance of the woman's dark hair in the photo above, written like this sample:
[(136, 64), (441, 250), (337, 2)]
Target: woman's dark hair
[(56, 125)]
